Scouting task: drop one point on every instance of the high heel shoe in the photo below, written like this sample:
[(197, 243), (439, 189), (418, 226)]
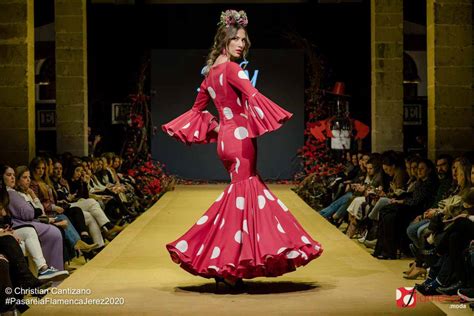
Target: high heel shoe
[(84, 247), (415, 273), (412, 266)]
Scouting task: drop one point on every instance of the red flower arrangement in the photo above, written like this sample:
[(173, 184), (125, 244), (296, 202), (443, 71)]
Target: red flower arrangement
[(151, 179)]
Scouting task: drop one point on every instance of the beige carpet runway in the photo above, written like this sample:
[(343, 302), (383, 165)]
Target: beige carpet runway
[(136, 268)]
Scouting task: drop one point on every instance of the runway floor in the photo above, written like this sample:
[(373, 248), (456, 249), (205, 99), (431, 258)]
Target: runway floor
[(136, 269)]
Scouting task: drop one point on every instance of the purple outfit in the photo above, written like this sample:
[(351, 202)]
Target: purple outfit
[(50, 237)]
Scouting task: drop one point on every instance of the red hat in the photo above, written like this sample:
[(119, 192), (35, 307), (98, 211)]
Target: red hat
[(339, 89)]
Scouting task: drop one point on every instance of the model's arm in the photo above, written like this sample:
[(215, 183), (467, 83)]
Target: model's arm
[(239, 80), (202, 99), (196, 125), (263, 114)]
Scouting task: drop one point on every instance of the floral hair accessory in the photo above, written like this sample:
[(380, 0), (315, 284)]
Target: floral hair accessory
[(231, 17)]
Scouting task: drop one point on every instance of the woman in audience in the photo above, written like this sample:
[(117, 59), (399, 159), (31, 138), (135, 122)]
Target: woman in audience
[(76, 238), (75, 229), (23, 213), (372, 183), (351, 185), (450, 273), (395, 217), (418, 230), (68, 191), (115, 207)]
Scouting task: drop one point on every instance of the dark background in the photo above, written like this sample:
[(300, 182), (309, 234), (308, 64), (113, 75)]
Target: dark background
[(176, 75), (122, 34), (120, 38)]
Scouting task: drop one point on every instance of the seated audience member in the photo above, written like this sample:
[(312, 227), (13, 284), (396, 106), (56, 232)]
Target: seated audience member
[(74, 191), (395, 217), (418, 229), (72, 236), (23, 214), (372, 183)]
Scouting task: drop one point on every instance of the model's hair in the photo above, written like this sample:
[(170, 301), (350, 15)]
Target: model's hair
[(221, 41)]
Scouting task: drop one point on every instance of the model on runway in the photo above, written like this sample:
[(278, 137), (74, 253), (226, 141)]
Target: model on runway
[(247, 232)]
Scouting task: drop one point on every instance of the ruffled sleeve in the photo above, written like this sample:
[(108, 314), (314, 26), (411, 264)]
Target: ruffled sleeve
[(263, 115), (194, 126)]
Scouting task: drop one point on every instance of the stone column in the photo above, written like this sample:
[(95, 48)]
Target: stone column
[(387, 74), (450, 60), (71, 76), (17, 81)]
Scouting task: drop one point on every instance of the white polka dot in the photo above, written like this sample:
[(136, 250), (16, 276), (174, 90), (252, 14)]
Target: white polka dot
[(237, 165), (196, 134), (239, 202), (292, 254), (215, 220), (170, 133), (245, 227), (182, 246), (280, 229), (200, 250), (231, 176), (202, 220), (220, 197), (238, 237), (398, 294), (238, 102), (244, 115), (212, 93), (409, 300), (317, 247), (230, 188), (305, 240), (221, 79), (228, 113), (305, 256), (222, 223), (283, 206), (242, 75), (222, 145), (258, 237), (261, 201), (268, 195), (259, 111), (186, 126), (247, 104), (216, 252), (241, 133), (213, 268), (281, 250), (231, 264)]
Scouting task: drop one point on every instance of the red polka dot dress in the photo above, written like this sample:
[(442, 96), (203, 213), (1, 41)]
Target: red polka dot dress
[(247, 232)]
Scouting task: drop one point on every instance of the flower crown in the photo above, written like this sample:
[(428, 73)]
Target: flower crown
[(231, 17)]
